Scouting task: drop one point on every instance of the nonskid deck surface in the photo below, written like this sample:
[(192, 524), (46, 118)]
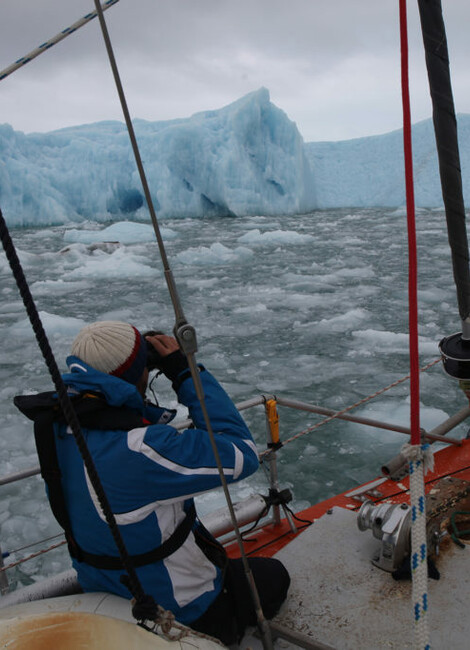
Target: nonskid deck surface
[(339, 598)]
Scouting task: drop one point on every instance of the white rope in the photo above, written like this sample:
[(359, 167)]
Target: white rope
[(421, 459), (165, 625)]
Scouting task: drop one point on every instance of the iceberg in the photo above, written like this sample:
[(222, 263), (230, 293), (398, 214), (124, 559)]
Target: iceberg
[(369, 172), (246, 159)]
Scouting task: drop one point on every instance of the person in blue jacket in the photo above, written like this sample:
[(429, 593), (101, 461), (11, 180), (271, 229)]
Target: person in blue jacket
[(150, 473)]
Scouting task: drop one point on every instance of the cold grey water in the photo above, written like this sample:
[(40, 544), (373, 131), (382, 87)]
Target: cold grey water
[(310, 307)]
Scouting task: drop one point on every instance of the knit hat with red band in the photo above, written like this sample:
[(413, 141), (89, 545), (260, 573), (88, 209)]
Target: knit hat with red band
[(112, 347)]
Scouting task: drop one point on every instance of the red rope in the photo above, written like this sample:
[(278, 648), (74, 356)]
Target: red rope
[(410, 211)]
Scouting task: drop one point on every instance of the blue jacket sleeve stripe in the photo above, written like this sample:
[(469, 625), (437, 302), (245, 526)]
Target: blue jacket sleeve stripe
[(252, 446), (238, 468), (122, 518), (135, 442), (139, 514)]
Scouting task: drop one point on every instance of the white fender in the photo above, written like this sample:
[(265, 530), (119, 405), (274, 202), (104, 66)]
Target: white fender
[(94, 621)]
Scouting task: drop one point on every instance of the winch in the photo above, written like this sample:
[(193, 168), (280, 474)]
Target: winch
[(391, 524)]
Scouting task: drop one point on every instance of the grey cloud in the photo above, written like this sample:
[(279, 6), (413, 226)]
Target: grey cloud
[(321, 59)]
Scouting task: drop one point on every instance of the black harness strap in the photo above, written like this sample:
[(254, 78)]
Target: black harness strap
[(93, 412), (172, 544)]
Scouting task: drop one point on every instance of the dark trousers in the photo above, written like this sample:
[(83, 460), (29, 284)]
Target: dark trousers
[(233, 610)]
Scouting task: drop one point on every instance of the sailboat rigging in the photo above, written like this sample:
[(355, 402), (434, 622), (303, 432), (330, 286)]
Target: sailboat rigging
[(381, 504)]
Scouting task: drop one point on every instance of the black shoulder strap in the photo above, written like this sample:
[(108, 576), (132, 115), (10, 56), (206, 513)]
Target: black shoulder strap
[(92, 410), (33, 405), (50, 472)]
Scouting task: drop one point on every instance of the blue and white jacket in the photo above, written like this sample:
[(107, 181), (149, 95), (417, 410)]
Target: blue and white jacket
[(150, 475)]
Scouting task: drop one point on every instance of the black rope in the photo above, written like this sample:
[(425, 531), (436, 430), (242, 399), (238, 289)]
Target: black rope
[(132, 582), (445, 128)]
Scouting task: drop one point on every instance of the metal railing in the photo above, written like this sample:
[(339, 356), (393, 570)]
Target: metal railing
[(250, 513), (435, 435)]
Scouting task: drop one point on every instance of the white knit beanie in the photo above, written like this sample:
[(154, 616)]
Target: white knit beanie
[(112, 347)]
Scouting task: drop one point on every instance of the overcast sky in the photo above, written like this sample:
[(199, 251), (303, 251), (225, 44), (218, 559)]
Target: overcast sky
[(332, 65)]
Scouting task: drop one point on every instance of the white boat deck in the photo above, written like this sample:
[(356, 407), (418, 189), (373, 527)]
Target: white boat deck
[(340, 599)]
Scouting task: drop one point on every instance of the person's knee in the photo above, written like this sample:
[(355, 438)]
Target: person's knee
[(280, 576), (284, 579), (272, 581)]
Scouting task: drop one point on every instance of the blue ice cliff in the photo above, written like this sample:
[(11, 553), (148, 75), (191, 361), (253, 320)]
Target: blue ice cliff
[(369, 172), (247, 158)]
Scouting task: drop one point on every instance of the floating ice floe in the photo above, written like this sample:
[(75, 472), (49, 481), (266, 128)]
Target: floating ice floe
[(278, 237), (120, 264), (124, 232), (214, 255), (54, 325)]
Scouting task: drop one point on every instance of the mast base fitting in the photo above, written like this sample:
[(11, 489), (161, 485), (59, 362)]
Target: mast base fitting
[(456, 356)]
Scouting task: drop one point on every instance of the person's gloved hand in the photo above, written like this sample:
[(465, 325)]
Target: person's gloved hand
[(172, 360)]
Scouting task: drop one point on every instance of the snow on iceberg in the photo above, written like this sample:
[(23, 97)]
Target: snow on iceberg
[(244, 159)]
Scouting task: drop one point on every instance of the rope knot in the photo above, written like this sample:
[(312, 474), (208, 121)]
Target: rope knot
[(165, 619), (419, 453), (145, 608)]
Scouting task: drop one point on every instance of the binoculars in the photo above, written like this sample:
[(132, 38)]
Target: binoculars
[(154, 360)]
